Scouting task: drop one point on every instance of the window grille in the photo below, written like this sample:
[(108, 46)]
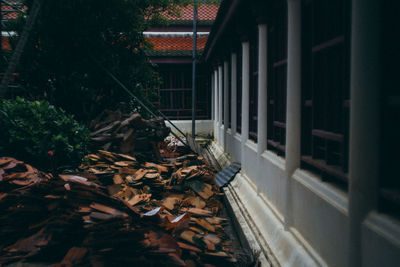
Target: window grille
[(253, 87), (175, 93), (389, 182), (325, 88), (277, 69)]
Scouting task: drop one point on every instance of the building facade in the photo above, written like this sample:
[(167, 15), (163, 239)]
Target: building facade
[(305, 97), (172, 55)]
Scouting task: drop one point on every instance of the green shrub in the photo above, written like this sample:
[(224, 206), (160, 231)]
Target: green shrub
[(41, 134)]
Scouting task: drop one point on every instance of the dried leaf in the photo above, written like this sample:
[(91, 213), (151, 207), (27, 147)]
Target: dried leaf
[(139, 198), (188, 247), (204, 224), (201, 188), (171, 201), (199, 212)]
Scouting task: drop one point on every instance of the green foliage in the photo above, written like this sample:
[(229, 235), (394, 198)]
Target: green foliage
[(58, 59), (32, 131)]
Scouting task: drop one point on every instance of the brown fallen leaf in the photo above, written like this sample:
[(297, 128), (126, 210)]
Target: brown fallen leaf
[(204, 224), (160, 168), (197, 230), (210, 246), (178, 223), (126, 170), (217, 254), (3, 195), (212, 238), (194, 201), (124, 156), (109, 210), (216, 220), (30, 244), (188, 236), (84, 209), (201, 188), (172, 200), (200, 212), (139, 174), (139, 198), (188, 247), (151, 175), (118, 179), (73, 257)]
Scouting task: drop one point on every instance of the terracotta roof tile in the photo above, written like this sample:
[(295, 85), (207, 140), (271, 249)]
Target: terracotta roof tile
[(206, 12), (5, 44), (176, 43), (9, 12)]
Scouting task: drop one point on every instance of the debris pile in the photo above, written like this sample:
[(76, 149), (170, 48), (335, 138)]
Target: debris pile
[(182, 193), (115, 211), (128, 134)]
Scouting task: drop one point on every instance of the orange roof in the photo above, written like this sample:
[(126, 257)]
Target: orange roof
[(204, 12), (176, 43), (5, 44), (9, 12)]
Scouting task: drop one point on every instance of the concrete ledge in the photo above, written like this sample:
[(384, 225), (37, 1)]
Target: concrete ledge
[(222, 158), (203, 127), (380, 240), (274, 159), (250, 144), (238, 137), (267, 233), (329, 193)]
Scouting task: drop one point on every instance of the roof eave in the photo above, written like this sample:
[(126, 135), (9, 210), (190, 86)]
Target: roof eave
[(224, 16)]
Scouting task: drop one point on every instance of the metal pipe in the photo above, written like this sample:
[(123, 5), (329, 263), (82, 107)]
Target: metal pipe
[(194, 69)]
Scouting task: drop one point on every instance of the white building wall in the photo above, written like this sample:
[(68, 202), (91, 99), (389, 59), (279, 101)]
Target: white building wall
[(290, 214)]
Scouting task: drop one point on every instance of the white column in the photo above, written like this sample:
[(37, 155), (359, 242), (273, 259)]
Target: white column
[(262, 89), (233, 93), (293, 100), (226, 101), (365, 83), (220, 94), (215, 96), (212, 96), (245, 91)]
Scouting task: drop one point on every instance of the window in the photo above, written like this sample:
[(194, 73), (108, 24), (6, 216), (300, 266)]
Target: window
[(325, 88), (389, 182), (253, 87), (277, 69), (239, 91), (176, 93)]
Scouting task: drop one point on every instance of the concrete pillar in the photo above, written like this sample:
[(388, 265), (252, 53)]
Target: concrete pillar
[(365, 83), (220, 104), (220, 94), (233, 93), (262, 89), (245, 96), (226, 101), (293, 100), (212, 96), (245, 91), (216, 104)]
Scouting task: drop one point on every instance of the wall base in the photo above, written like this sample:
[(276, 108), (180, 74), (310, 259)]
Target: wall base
[(264, 232)]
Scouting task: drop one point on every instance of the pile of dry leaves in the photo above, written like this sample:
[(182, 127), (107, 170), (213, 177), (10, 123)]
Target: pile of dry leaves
[(115, 211), (128, 134)]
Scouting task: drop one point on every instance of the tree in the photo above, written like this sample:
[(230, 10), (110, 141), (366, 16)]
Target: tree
[(70, 36)]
